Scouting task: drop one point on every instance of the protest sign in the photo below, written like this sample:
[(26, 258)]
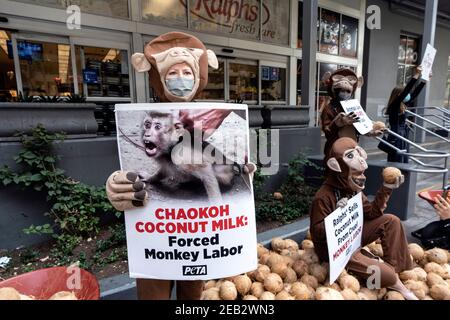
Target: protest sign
[(427, 62), (199, 222), (364, 125), (343, 228)]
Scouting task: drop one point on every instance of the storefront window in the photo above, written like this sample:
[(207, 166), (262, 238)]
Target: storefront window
[(408, 56), (275, 25), (215, 90), (349, 37), (116, 8), (243, 79), (8, 84), (45, 68), (273, 84), (329, 32), (103, 72), (166, 12)]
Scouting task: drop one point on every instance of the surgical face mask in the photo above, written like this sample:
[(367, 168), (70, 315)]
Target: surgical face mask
[(343, 96), (407, 98), (180, 86)]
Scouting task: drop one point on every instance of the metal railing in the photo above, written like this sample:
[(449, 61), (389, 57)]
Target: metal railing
[(422, 151)]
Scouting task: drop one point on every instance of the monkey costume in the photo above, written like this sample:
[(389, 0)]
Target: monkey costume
[(125, 190), (347, 165)]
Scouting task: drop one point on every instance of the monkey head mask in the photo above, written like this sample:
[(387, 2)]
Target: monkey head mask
[(177, 64), (348, 163), (342, 84)]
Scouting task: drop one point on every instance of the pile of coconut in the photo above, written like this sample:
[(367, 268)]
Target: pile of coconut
[(9, 293), (290, 272)]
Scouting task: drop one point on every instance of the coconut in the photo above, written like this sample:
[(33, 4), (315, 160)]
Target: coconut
[(310, 281), (381, 293), (210, 284), (63, 295), (369, 294), (326, 293), (319, 272), (300, 267), (273, 283), (211, 294), (291, 276), (420, 274), (309, 256), (9, 294), (287, 287), (261, 273), (279, 268), (291, 244), (416, 251), (267, 296), (288, 260), (308, 235), (307, 244), (334, 286), (243, 284), (349, 282), (439, 291), (376, 249), (437, 255), (300, 291), (257, 289), (416, 288), (277, 196), (408, 275), (249, 297), (228, 291), (261, 250), (349, 294), (434, 278), (25, 297), (284, 295), (378, 126), (278, 244), (436, 268), (393, 295), (390, 175), (274, 259)]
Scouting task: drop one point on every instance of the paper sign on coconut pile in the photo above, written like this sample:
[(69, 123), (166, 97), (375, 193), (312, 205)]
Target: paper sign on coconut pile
[(181, 233), (343, 228), (364, 125)]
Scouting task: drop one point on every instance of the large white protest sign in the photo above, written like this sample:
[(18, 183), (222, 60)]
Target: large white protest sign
[(364, 125), (199, 222), (344, 233), (427, 62)]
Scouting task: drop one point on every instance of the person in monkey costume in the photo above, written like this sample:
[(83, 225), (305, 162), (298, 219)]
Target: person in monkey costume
[(178, 70), (347, 162), (341, 86)]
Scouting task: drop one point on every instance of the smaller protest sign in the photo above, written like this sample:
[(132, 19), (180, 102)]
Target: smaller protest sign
[(364, 125), (427, 62), (343, 228)]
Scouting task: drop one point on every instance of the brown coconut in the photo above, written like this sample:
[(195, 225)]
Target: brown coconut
[(390, 175), (63, 295), (273, 283), (307, 244), (319, 272), (310, 281), (211, 294), (261, 273), (284, 295), (243, 284), (267, 295), (9, 293), (393, 295), (349, 282), (257, 289), (300, 267), (349, 294), (326, 293), (278, 244), (437, 255), (300, 291), (228, 291), (249, 297), (439, 291), (291, 276)]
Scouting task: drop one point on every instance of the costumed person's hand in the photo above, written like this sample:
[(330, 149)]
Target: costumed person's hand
[(343, 119), (342, 203), (396, 184), (442, 207), (418, 72), (125, 190), (378, 129), (250, 169)]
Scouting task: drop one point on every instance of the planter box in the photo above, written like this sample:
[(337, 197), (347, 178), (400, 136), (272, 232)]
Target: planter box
[(285, 116), (76, 120)]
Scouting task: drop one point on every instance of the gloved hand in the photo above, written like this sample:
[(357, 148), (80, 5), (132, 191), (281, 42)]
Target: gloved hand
[(342, 203), (250, 168), (126, 191), (398, 182), (343, 119)]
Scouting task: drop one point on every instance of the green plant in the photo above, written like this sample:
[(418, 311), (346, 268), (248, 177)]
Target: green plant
[(296, 195), (48, 99), (29, 255), (76, 98), (75, 206)]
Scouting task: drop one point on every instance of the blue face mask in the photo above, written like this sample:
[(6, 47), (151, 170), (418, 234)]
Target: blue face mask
[(407, 98), (180, 86)]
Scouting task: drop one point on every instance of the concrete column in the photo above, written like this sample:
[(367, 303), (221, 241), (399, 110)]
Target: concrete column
[(429, 31), (140, 78), (309, 51)]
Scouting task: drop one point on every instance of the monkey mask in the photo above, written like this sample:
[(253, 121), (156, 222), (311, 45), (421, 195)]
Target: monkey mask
[(342, 84), (171, 49), (348, 163)]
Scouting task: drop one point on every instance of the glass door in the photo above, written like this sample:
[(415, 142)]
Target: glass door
[(8, 79)]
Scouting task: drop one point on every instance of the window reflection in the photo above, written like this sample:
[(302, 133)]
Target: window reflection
[(273, 84), (243, 82), (215, 90), (8, 84)]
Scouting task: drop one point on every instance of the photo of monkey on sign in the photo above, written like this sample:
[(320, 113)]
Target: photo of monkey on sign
[(188, 154)]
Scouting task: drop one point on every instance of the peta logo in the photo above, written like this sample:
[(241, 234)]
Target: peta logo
[(195, 270)]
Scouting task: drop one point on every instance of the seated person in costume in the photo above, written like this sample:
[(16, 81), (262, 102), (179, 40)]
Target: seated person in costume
[(347, 163)]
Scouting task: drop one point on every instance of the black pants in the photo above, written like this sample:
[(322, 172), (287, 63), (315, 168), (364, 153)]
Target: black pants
[(393, 155)]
